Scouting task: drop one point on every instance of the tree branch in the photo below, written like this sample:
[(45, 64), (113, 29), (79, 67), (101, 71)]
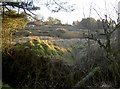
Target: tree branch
[(59, 5), (98, 41), (118, 25)]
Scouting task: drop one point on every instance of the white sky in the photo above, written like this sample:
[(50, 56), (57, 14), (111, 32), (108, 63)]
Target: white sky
[(77, 14)]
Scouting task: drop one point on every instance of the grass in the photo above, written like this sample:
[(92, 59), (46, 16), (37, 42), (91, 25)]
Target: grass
[(37, 71), (6, 86), (63, 44), (64, 32), (46, 48)]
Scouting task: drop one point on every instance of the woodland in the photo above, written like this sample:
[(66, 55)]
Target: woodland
[(47, 54)]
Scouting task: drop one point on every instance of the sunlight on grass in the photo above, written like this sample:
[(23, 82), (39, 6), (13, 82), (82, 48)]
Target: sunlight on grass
[(43, 47)]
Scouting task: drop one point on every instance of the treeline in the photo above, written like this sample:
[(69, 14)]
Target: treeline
[(49, 21), (88, 23)]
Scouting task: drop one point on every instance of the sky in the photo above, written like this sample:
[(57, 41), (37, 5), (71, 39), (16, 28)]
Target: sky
[(82, 10)]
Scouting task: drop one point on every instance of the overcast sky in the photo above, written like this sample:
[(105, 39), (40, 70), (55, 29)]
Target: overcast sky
[(82, 9)]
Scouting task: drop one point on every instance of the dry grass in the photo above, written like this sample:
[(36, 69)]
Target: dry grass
[(32, 71), (70, 35), (65, 32)]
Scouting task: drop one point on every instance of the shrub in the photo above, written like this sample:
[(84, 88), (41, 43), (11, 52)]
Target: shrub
[(41, 47), (11, 21), (28, 67)]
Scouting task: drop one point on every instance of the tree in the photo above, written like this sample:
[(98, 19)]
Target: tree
[(88, 23), (53, 21), (28, 6), (50, 20), (99, 24), (11, 21), (39, 23), (57, 21), (76, 23), (111, 63), (57, 5)]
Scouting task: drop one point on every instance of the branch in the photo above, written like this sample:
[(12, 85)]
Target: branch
[(30, 11), (90, 9), (97, 13), (118, 25), (83, 12), (7, 8), (16, 4), (101, 44), (59, 5), (98, 41), (29, 14), (82, 82)]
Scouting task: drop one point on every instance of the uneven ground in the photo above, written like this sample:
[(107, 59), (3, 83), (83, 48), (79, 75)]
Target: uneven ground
[(64, 36), (69, 37)]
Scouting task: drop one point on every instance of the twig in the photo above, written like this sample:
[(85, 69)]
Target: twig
[(97, 13), (59, 5)]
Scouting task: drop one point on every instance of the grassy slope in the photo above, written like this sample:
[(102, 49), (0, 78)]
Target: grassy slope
[(46, 48)]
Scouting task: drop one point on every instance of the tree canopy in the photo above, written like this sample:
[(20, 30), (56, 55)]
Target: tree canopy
[(11, 21), (28, 5), (53, 21), (90, 23)]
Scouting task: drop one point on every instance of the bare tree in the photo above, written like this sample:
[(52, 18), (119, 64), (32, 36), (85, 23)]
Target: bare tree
[(109, 27)]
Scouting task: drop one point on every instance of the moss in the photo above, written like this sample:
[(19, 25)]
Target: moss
[(44, 48)]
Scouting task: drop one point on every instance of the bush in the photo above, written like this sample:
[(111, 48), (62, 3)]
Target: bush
[(41, 47), (11, 21), (28, 67)]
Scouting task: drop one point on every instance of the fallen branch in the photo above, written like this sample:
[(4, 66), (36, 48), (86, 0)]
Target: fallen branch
[(82, 82)]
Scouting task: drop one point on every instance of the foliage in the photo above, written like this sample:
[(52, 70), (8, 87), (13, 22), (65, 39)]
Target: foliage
[(27, 68), (10, 23), (53, 21), (109, 63), (99, 24), (89, 23), (28, 6), (57, 21), (6, 86), (75, 23), (24, 5), (38, 23), (41, 47)]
